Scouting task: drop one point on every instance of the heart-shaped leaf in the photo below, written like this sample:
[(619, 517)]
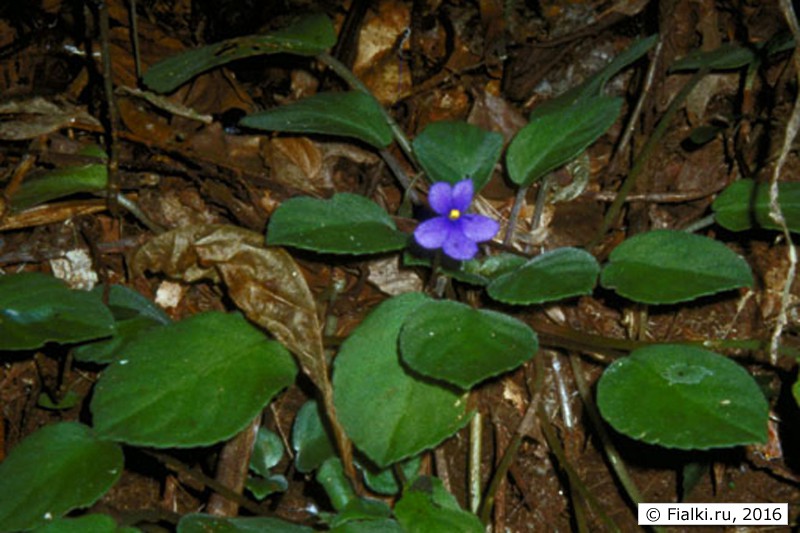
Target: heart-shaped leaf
[(192, 383), (348, 114), (311, 442), (556, 136), (455, 343), (36, 309), (267, 452), (61, 467), (452, 151), (683, 397), (427, 507), (308, 36), (745, 201), (554, 275), (666, 266), (345, 224), (389, 413)]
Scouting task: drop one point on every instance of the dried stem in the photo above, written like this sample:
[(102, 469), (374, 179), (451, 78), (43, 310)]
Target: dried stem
[(232, 469)]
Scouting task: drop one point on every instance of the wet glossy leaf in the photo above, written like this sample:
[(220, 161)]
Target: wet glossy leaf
[(385, 482), (455, 343), (452, 151), (133, 314), (265, 283), (92, 523), (555, 137), (204, 523), (389, 413), (192, 383), (310, 35), (555, 275), (683, 397), (744, 202), (261, 487), (332, 478), (60, 467), (348, 114), (429, 508), (59, 183), (665, 266), (267, 452), (311, 442), (36, 309), (344, 224), (359, 509)]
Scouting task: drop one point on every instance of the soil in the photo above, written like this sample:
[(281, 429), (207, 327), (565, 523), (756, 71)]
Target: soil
[(488, 62)]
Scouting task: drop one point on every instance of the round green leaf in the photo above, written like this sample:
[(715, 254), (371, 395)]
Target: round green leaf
[(665, 266), (345, 224), (428, 508), (267, 452), (333, 479), (555, 137), (91, 523), (205, 523), (308, 36), (311, 443), (744, 202), (192, 383), (385, 481), (683, 397), (554, 275), (455, 343), (36, 309), (452, 151), (59, 468), (349, 114), (387, 412)]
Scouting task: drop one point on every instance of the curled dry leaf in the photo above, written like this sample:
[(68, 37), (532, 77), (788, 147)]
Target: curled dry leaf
[(265, 283), (28, 119)]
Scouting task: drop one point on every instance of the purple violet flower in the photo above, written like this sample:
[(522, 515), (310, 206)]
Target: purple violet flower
[(455, 231)]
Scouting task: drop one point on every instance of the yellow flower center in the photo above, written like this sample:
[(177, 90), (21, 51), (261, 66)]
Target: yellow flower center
[(455, 214)]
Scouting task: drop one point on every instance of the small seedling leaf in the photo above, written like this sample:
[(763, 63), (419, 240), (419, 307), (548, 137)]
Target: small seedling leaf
[(348, 114), (555, 275), (311, 442), (60, 467), (455, 343), (683, 397), (192, 383), (666, 266), (345, 224), (389, 413), (453, 151), (745, 202)]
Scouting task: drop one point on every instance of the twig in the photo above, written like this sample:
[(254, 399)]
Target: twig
[(111, 109), (519, 199), (137, 59), (232, 469), (775, 212), (475, 448)]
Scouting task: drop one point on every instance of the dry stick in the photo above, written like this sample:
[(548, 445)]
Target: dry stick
[(644, 156), (137, 60), (775, 212), (519, 199), (232, 468), (475, 438), (111, 108)]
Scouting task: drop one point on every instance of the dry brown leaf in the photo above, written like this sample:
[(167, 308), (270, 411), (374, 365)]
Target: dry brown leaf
[(265, 283), (28, 119)]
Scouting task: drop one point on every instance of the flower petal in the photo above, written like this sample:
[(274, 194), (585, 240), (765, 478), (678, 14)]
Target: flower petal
[(440, 197), (462, 195), (479, 228), (460, 247), (432, 233)]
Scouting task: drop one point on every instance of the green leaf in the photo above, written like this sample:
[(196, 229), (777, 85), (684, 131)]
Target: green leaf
[(267, 452), (204, 523), (192, 383), (561, 273), (556, 136), (36, 309), (729, 56), (309, 36), (429, 508), (332, 478), (311, 442), (744, 202), (666, 266), (361, 509), (70, 400), (387, 412), (59, 468), (369, 526), (348, 114), (452, 151), (683, 397), (261, 487), (453, 342), (92, 523), (58, 183), (133, 314), (345, 224), (384, 482)]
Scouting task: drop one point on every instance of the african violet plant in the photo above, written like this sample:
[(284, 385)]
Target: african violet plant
[(400, 383)]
